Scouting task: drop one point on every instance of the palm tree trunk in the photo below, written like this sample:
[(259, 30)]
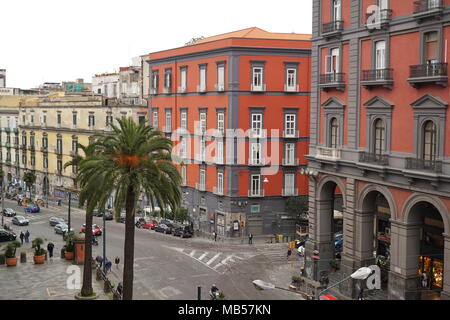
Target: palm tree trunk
[(128, 266), (86, 289)]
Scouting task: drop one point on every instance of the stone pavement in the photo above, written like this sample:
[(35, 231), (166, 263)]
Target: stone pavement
[(47, 281)]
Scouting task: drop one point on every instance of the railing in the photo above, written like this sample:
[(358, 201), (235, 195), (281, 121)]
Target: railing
[(167, 90), (181, 89), (167, 129), (44, 149), (291, 88), (219, 87), (433, 69), (333, 26), (218, 191), (367, 157), (259, 88), (290, 133), (255, 193), (290, 192), (331, 153), (201, 88), (376, 74), (153, 90), (256, 162), (200, 186), (421, 164), (261, 133), (31, 147), (290, 162), (380, 15), (427, 5), (335, 77), (219, 160)]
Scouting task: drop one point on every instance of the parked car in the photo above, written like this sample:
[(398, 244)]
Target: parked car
[(122, 218), (161, 228), (96, 230), (33, 208), (8, 212), (20, 221), (138, 221), (55, 221), (152, 224), (108, 215), (183, 232), (338, 240), (170, 228), (97, 213), (7, 235), (61, 228)]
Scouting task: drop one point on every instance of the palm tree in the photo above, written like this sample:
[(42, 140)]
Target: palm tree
[(30, 178), (86, 289), (135, 159)]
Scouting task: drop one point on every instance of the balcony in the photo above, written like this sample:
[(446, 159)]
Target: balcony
[(219, 87), (260, 88), (333, 80), (219, 160), (153, 90), (332, 29), (167, 90), (256, 162), (328, 153), (378, 19), (44, 149), (377, 78), (255, 193), (167, 129), (289, 192), (379, 159), (200, 187), (31, 147), (24, 147), (218, 191), (425, 9), (73, 126), (254, 134), (181, 89), (291, 88), (435, 72), (290, 162), (201, 88), (291, 134), (424, 165)]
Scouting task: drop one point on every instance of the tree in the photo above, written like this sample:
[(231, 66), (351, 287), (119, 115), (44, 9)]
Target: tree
[(297, 207), (181, 214), (86, 289), (30, 178), (135, 159)]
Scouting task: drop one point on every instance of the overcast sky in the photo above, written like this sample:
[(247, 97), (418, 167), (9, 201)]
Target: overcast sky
[(61, 40)]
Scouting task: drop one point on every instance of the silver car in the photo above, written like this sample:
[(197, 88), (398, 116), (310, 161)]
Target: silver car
[(55, 220), (61, 228), (20, 221), (8, 212)]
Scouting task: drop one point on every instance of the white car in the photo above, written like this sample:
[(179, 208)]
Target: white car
[(61, 228)]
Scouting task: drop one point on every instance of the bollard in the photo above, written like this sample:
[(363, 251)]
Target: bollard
[(63, 251), (23, 257), (106, 287), (46, 256), (2, 259)]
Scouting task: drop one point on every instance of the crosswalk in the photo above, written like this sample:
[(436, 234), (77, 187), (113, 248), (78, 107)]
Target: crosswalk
[(220, 262), (276, 253)]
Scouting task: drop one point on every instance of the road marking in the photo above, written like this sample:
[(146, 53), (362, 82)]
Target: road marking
[(213, 258), (192, 253), (202, 256), (229, 258)]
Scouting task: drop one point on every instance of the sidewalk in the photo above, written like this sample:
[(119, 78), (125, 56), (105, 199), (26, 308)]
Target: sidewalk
[(47, 281)]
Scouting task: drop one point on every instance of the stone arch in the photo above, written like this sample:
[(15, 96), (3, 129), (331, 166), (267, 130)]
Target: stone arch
[(324, 184), (435, 201), (381, 189)]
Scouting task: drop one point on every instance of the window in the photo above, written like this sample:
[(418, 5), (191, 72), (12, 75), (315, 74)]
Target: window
[(155, 81), (255, 154), (255, 208), (289, 125), (334, 141), (32, 140), (202, 85), (183, 121), (289, 184), (221, 122), (24, 159), (202, 150), (59, 165), (255, 187), (74, 145), (220, 183), (141, 119), (74, 119), (32, 119), (183, 80), (332, 61), (33, 160), (221, 77), (203, 122), (219, 158), (109, 120), (168, 121), (24, 140), (23, 119), (257, 79), (155, 119), (429, 141), (431, 47), (59, 145), (289, 153), (184, 174), (380, 133), (45, 161), (91, 121), (202, 179), (383, 4), (44, 142), (291, 79), (17, 158), (167, 80), (183, 151), (257, 124), (44, 119), (58, 119), (337, 10), (380, 55)]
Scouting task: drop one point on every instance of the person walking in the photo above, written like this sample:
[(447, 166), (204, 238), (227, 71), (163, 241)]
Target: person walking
[(250, 238), (117, 261), (21, 236), (50, 247), (424, 280), (289, 252), (108, 266), (215, 236), (361, 294), (27, 236)]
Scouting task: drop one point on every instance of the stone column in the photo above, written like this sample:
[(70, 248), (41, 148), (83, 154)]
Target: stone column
[(324, 235), (405, 252), (363, 250), (445, 294)]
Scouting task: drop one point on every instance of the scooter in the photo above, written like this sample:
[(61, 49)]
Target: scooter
[(213, 295), (94, 242)]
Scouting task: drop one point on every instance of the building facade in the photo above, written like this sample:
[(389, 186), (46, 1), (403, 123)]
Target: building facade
[(236, 107), (106, 84), (50, 128), (380, 142)]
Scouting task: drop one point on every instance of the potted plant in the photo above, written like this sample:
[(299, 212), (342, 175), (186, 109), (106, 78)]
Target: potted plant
[(334, 265), (10, 253), (69, 247), (39, 253)]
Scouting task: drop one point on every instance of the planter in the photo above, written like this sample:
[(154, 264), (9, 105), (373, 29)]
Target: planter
[(11, 262), (39, 259), (68, 255)]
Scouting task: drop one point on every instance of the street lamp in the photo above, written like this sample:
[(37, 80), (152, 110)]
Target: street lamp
[(3, 203), (263, 285)]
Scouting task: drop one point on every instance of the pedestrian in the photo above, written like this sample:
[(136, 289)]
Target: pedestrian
[(301, 251), (250, 238), (99, 260), (117, 261), (120, 288), (27, 236), (361, 294), (50, 247), (289, 252), (21, 236), (424, 280), (215, 236), (108, 266), (19, 203)]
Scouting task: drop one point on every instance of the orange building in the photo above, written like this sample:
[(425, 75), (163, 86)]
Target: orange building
[(236, 106)]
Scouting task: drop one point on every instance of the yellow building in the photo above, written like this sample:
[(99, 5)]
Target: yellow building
[(50, 128)]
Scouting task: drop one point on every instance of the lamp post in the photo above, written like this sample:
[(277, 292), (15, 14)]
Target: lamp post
[(104, 242), (3, 196), (68, 219), (360, 274)]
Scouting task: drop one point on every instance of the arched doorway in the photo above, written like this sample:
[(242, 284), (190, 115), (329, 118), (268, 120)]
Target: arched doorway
[(426, 249)]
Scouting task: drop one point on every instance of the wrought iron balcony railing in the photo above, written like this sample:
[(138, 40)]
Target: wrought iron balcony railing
[(427, 5), (426, 165), (376, 74), (380, 159), (433, 69), (331, 78), (380, 15), (333, 26)]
